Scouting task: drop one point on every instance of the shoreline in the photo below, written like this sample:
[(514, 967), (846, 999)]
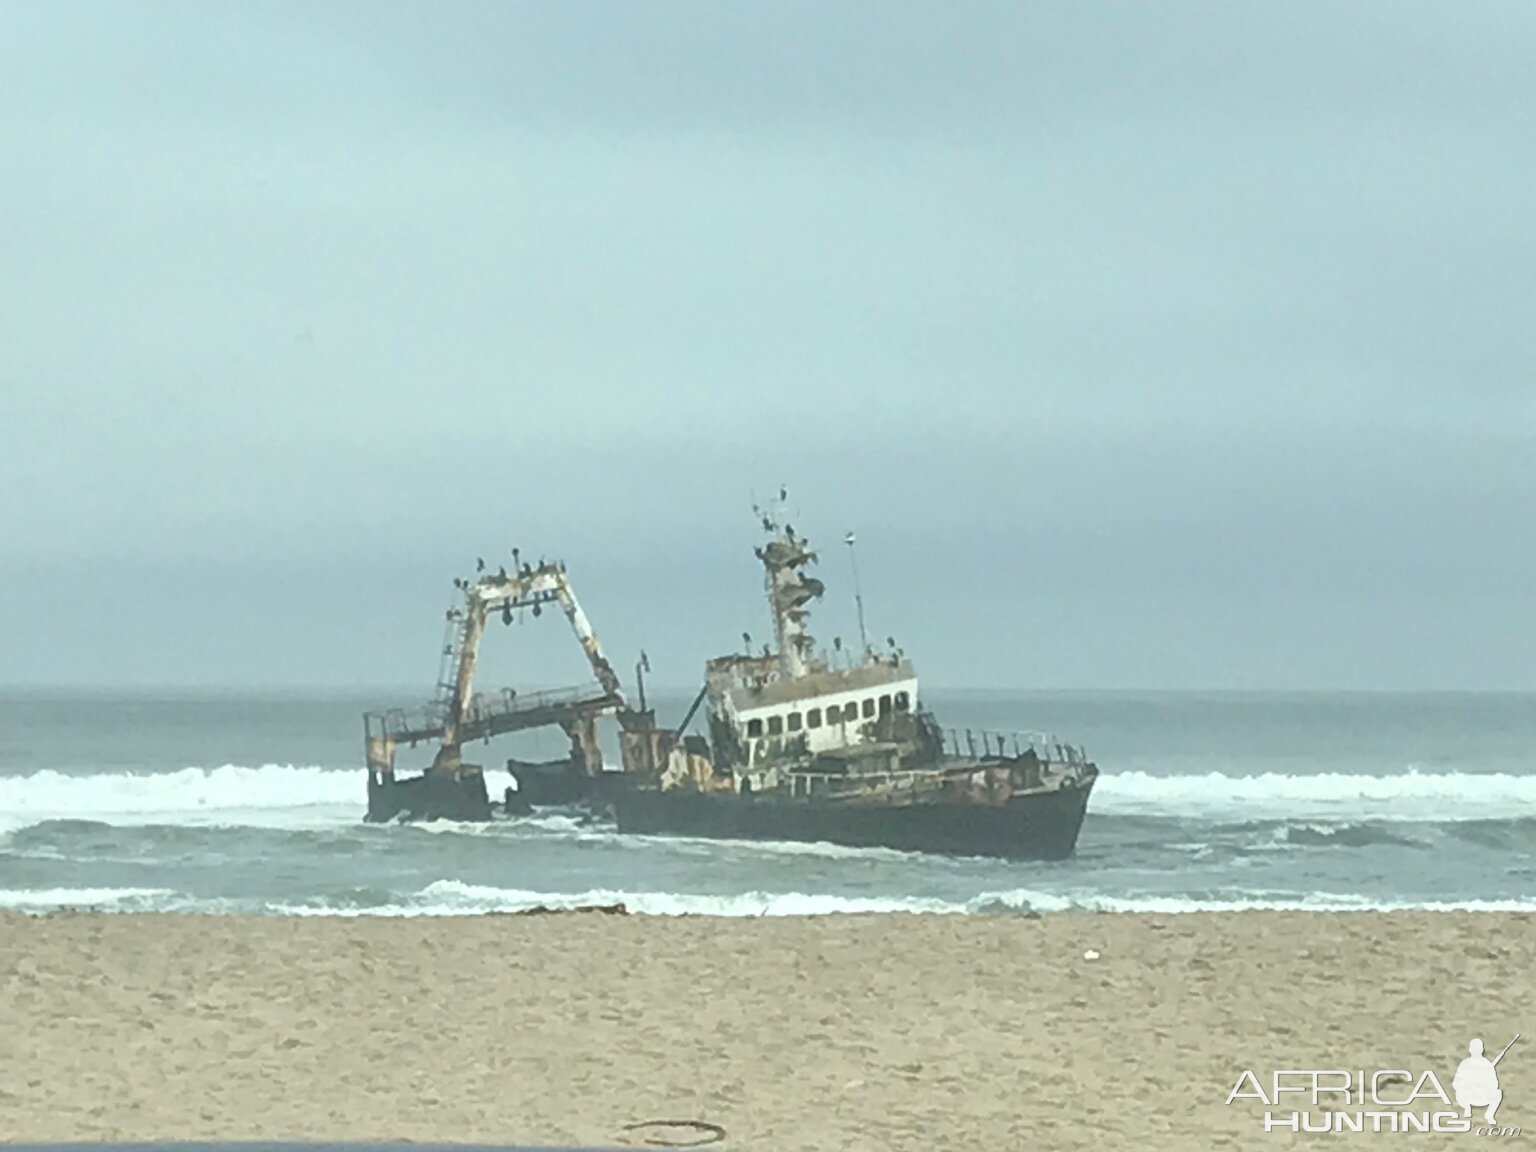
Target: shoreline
[(867, 1030), (780, 907)]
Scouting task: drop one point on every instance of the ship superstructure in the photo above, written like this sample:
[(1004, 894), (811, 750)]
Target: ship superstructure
[(808, 744), (790, 704)]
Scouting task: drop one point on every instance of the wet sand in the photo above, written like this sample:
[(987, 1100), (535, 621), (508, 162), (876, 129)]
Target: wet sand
[(859, 1032)]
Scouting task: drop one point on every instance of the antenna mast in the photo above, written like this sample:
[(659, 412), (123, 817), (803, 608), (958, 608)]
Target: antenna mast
[(858, 596)]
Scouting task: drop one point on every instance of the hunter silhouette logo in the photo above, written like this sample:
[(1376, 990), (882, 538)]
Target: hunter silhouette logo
[(1383, 1100), (1477, 1081)]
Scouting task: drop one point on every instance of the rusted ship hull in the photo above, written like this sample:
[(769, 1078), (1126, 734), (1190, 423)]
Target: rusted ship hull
[(430, 796), (1036, 826)]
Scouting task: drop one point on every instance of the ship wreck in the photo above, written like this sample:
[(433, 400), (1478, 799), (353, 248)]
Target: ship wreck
[(801, 745), (459, 716)]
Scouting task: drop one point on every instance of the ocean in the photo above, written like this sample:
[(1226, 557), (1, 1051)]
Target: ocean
[(231, 804)]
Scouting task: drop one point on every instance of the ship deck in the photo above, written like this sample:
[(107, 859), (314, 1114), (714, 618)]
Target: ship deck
[(499, 717)]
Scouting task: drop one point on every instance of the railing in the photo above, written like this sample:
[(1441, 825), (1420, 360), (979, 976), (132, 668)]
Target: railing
[(980, 744), (960, 743), (482, 708)]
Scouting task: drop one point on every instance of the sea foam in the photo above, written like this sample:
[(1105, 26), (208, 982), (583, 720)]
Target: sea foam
[(453, 898), (273, 795), (1410, 795), (286, 795)]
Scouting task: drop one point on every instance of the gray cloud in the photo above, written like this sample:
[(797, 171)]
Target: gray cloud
[(1150, 345)]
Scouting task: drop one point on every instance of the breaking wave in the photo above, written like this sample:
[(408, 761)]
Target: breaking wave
[(447, 898), (1408, 796), (1344, 834), (453, 897), (274, 795), (287, 795)]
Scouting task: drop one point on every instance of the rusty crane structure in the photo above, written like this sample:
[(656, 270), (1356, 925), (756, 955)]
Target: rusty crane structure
[(459, 716)]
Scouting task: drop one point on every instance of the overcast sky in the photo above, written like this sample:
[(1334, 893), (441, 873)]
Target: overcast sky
[(1144, 345)]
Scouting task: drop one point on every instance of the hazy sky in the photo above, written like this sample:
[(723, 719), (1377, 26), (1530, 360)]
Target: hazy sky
[(1144, 345)]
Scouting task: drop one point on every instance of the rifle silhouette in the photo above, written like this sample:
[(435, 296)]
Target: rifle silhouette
[(1507, 1047)]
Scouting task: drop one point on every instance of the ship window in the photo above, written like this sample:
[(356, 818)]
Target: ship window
[(885, 705), (851, 710), (869, 707), (794, 721), (813, 718), (754, 729), (902, 702), (775, 725)]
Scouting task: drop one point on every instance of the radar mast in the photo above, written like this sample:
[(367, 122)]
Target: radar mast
[(789, 589)]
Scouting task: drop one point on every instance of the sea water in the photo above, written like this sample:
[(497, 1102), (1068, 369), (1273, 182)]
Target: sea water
[(254, 803)]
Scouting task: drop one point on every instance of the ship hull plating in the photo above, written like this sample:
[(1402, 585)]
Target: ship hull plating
[(1034, 826), (430, 796)]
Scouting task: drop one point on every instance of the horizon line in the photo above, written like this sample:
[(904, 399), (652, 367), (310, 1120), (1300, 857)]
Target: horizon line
[(395, 692)]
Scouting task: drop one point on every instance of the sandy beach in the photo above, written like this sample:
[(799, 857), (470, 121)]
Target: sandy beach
[(858, 1032)]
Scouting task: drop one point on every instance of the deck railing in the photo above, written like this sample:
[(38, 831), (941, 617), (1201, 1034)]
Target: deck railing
[(482, 707), (979, 744)]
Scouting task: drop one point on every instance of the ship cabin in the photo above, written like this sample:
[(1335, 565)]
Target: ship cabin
[(783, 711), (766, 717)]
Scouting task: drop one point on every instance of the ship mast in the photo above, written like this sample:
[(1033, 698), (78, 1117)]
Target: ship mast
[(858, 599), (789, 589)]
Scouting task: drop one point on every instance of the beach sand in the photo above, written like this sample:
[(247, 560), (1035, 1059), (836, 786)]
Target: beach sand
[(860, 1032)]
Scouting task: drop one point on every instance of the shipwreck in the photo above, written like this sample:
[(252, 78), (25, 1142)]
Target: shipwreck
[(459, 716), (800, 744)]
